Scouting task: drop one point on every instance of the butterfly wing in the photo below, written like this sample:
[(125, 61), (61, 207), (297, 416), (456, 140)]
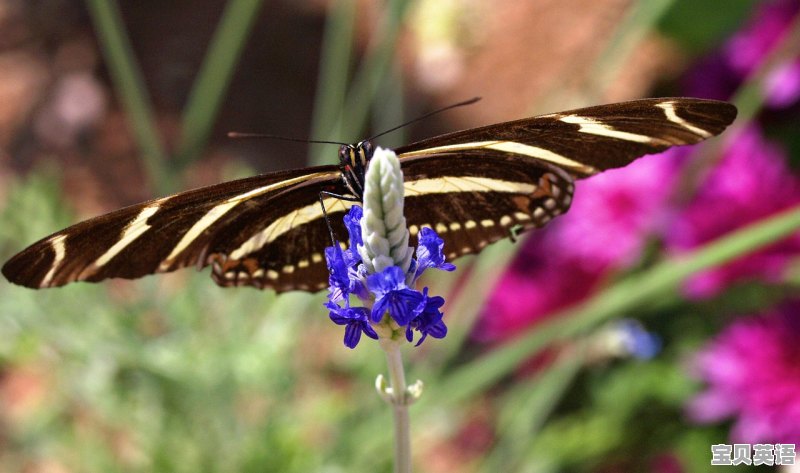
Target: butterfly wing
[(480, 185), (474, 187), (255, 231)]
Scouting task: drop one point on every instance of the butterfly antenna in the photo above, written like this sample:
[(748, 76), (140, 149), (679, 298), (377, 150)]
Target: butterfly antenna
[(459, 104), (239, 135)]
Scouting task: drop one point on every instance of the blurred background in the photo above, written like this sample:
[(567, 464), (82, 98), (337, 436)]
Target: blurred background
[(656, 319)]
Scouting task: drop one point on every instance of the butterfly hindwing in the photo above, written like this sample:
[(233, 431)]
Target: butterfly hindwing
[(484, 198)]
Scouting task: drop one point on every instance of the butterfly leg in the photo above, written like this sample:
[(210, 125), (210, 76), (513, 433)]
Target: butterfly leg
[(325, 213)]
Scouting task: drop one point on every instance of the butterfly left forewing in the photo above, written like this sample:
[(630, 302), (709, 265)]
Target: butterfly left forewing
[(165, 234), (283, 250)]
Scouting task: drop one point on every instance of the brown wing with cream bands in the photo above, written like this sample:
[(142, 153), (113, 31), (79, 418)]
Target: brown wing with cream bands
[(249, 230), (487, 196), (590, 140)]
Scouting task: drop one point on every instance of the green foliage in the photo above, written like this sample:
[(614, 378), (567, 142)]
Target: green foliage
[(174, 374), (699, 26)]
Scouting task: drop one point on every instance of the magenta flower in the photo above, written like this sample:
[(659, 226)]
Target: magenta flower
[(751, 182), (753, 374), (613, 213), (520, 300), (721, 73)]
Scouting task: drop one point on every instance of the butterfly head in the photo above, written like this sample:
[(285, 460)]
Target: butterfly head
[(353, 160)]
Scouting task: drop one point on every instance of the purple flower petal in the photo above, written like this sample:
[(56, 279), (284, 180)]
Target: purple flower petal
[(430, 252), (429, 321), (338, 278), (352, 221), (355, 320), (392, 294)]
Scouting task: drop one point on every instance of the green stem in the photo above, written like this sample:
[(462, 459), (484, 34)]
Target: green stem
[(634, 28), (128, 81), (399, 400), (367, 82), (615, 301), (214, 76), (334, 64)]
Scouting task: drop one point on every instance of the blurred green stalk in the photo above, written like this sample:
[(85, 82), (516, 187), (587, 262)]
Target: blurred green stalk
[(640, 19), (620, 299), (133, 93), (367, 82), (334, 67), (528, 404), (214, 77)]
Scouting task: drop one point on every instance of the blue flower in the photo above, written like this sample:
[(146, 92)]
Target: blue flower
[(429, 252), (429, 321), (392, 294), (355, 320), (389, 289), (338, 273), (636, 340), (352, 221)]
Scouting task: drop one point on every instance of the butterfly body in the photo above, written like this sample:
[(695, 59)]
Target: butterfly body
[(473, 187)]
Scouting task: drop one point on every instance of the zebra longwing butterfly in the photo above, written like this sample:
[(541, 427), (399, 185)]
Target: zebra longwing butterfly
[(473, 187)]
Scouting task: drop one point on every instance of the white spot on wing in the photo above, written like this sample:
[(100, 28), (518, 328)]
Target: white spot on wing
[(510, 147), (669, 112), (220, 210), (285, 223), (59, 248), (592, 126), (132, 231), (447, 184)]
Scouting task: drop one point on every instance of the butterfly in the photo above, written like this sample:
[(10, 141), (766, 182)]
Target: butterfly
[(474, 187)]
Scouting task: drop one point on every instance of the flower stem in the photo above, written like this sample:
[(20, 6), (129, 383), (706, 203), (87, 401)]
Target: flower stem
[(397, 382)]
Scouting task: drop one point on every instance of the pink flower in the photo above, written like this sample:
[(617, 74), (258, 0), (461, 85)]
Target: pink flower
[(523, 298), (721, 73), (753, 374), (751, 182), (766, 29), (613, 212)]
